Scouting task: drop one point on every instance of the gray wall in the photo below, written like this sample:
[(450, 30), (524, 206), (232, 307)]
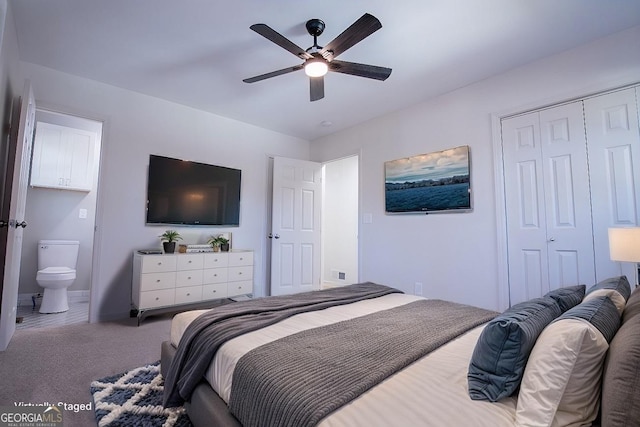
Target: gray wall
[(456, 256), (136, 126)]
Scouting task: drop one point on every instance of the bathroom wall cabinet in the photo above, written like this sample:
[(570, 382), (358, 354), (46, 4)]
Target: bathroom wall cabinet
[(63, 158), (170, 280)]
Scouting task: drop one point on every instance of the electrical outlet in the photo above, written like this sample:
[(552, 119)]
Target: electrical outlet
[(417, 288)]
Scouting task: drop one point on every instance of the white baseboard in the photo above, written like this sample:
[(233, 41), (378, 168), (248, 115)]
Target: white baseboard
[(74, 296), (328, 284)]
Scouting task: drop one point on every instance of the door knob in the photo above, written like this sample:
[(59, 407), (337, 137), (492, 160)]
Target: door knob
[(270, 236), (22, 224), (4, 224), (277, 236), (552, 239)]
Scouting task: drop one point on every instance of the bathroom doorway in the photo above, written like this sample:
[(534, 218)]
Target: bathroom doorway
[(340, 204), (58, 212)]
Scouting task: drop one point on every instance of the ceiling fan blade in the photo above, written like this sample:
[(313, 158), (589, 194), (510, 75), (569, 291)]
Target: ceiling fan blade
[(361, 70), (273, 74), (317, 88), (274, 36), (358, 31)]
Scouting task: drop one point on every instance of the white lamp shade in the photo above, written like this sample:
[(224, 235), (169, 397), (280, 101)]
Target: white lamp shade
[(624, 244)]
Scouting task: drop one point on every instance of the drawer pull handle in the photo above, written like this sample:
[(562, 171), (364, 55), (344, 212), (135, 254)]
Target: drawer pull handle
[(240, 273), (159, 262), (188, 294), (157, 298), (189, 261), (215, 275), (214, 291), (241, 258), (189, 278), (157, 280)]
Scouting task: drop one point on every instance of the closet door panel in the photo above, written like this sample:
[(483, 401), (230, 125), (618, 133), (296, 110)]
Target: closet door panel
[(614, 157), (524, 195), (567, 197)]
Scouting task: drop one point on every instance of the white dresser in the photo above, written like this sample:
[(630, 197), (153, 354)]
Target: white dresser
[(169, 280)]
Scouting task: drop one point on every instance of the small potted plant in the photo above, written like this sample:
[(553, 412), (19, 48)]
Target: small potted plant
[(224, 243), (169, 239), (219, 243)]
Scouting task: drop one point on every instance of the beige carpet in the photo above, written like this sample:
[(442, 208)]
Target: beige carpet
[(58, 364)]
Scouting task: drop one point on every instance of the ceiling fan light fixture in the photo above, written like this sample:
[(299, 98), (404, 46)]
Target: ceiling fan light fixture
[(316, 67)]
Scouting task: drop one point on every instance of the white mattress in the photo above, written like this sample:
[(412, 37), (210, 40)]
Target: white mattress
[(430, 392)]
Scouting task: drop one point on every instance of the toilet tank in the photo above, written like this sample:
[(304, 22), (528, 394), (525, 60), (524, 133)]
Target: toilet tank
[(57, 253)]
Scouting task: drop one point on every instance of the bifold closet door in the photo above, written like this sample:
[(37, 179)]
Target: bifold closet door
[(613, 138), (548, 203)]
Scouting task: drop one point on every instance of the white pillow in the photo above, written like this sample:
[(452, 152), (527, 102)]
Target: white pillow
[(561, 382)]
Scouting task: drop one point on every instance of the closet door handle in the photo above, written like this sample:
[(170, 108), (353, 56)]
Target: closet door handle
[(552, 239)]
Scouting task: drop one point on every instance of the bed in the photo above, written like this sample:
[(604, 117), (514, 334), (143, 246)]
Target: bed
[(292, 370)]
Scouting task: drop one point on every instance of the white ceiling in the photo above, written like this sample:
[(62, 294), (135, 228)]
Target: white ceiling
[(196, 52)]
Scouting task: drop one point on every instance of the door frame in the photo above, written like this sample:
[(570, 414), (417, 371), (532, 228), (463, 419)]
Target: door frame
[(268, 218), (357, 155), (94, 299), (500, 201)]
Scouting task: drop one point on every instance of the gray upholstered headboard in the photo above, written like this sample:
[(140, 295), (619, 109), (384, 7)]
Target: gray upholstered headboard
[(621, 379)]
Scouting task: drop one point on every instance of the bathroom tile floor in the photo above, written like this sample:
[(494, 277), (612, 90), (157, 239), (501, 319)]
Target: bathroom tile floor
[(78, 313)]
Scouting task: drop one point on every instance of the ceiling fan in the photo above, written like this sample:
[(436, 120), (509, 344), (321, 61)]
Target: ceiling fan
[(319, 60)]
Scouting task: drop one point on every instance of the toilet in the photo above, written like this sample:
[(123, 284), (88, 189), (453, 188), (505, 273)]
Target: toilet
[(56, 272)]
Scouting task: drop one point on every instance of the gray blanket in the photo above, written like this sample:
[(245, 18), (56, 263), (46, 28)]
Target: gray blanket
[(213, 328), (300, 379)]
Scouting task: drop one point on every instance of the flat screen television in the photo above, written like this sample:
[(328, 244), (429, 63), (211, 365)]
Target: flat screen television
[(191, 193), (432, 182)]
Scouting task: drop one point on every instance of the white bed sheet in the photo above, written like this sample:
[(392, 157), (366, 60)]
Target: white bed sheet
[(430, 392)]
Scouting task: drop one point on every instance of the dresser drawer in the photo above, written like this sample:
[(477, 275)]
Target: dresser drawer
[(239, 288), (189, 294), (189, 262), (153, 299), (189, 278), (240, 273), (214, 291), (154, 281), (216, 260), (158, 263), (237, 259), (215, 275)]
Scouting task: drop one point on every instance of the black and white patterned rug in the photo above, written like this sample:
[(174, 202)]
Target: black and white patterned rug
[(134, 398)]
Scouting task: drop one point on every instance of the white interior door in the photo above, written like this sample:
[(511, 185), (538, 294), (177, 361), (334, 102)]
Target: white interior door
[(549, 227), (295, 229), (614, 158), (567, 196), (18, 180), (524, 197)]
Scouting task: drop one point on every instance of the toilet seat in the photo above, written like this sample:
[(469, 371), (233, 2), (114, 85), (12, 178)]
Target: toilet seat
[(56, 273)]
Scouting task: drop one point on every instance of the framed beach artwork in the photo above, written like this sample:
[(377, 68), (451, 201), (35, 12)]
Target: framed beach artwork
[(429, 183)]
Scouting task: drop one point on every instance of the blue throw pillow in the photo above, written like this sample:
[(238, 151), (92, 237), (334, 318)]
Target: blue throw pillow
[(601, 312), (502, 350), (619, 284), (568, 296), (616, 288)]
